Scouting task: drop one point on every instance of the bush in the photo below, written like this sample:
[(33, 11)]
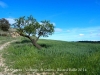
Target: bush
[(4, 24)]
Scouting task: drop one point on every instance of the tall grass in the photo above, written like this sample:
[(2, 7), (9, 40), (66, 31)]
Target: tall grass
[(4, 39), (55, 55)]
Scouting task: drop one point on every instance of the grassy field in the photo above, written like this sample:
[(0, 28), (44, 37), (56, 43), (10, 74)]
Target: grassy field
[(4, 39), (69, 58)]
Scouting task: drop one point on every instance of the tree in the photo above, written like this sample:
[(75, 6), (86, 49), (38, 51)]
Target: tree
[(29, 26), (4, 24)]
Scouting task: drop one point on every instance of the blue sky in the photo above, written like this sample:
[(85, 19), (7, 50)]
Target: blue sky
[(73, 19)]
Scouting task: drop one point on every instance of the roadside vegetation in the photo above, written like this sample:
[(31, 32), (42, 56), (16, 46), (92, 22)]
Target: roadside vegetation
[(4, 39)]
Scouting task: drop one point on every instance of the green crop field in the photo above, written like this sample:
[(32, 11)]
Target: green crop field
[(68, 58)]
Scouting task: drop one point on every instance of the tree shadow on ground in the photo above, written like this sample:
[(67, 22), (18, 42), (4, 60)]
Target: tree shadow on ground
[(29, 43), (45, 45), (23, 41)]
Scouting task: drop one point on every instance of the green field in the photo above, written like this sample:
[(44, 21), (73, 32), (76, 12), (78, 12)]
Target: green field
[(5, 39), (69, 58)]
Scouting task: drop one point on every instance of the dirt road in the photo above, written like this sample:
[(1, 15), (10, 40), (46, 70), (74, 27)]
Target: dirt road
[(2, 65)]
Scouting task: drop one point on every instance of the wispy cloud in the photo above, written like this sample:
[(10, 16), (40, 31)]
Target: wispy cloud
[(54, 24), (72, 34), (11, 20), (2, 4), (68, 30), (58, 29), (76, 34), (81, 34)]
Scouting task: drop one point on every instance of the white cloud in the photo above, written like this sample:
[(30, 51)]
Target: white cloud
[(40, 22), (58, 29), (11, 20), (98, 34), (81, 34), (68, 30), (2, 4), (76, 34)]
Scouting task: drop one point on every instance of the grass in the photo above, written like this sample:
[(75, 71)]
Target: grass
[(4, 39), (55, 55)]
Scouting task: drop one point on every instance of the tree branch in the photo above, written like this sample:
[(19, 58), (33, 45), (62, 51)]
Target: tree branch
[(37, 38), (24, 35), (40, 33)]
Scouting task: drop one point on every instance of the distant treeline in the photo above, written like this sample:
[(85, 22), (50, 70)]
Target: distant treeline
[(89, 41)]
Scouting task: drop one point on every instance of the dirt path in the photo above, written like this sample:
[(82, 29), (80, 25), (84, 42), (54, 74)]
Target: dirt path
[(2, 65), (5, 44)]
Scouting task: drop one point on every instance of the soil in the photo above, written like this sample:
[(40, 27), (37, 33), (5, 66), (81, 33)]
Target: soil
[(3, 68)]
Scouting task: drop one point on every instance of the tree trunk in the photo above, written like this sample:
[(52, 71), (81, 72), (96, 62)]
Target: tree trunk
[(37, 38), (32, 40), (35, 44)]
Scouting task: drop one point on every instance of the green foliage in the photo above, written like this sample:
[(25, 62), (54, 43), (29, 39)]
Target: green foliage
[(29, 26), (4, 24), (55, 55), (46, 28)]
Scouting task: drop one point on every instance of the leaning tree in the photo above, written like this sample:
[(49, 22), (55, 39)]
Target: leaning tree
[(4, 24), (27, 27)]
